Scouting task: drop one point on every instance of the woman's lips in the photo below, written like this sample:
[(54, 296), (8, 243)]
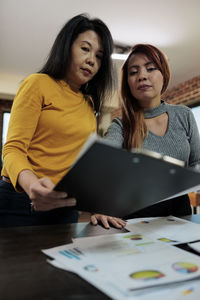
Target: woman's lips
[(144, 87), (86, 71)]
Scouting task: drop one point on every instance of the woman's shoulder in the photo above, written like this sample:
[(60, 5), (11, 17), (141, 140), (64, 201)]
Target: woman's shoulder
[(38, 77), (35, 83), (178, 108), (38, 82)]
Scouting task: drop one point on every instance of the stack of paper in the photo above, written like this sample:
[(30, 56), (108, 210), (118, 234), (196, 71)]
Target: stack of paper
[(132, 265)]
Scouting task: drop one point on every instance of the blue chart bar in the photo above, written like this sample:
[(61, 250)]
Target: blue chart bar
[(78, 251), (69, 254)]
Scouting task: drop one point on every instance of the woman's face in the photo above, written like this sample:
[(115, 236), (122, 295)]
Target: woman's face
[(85, 60), (145, 80)]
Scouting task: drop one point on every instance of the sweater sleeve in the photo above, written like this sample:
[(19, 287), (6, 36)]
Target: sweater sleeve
[(25, 113), (194, 140), (114, 133)]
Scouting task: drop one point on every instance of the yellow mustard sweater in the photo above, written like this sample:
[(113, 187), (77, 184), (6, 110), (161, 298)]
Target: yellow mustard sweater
[(48, 126)]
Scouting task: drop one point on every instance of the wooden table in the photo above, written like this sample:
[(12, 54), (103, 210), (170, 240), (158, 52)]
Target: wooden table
[(24, 272)]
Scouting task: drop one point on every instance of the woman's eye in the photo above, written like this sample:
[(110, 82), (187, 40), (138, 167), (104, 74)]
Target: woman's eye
[(132, 73), (151, 69), (99, 56), (86, 49)]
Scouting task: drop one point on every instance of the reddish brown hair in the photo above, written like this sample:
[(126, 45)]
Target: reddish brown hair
[(134, 128)]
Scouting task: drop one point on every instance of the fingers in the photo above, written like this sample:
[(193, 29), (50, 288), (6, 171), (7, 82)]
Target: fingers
[(117, 222), (46, 204), (46, 194), (106, 220), (66, 202), (44, 188), (44, 198), (93, 220)]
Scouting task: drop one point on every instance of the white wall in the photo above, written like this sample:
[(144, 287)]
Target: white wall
[(9, 85)]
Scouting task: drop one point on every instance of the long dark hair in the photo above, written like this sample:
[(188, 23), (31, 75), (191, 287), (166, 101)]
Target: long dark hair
[(134, 128), (101, 85)]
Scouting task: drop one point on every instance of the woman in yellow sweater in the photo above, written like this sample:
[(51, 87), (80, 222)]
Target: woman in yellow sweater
[(52, 115)]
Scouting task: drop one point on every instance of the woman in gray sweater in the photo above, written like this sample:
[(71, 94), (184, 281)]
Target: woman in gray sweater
[(149, 122)]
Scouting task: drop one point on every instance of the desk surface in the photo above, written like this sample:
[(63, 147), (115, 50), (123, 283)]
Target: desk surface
[(24, 272)]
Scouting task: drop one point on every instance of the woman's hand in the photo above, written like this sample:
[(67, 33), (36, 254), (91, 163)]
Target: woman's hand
[(105, 220), (44, 198), (41, 193)]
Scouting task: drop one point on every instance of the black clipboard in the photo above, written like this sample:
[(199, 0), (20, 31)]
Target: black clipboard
[(116, 182)]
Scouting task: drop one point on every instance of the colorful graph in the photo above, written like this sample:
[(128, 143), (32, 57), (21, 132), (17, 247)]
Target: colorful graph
[(147, 275), (188, 291), (166, 240), (91, 268), (133, 237), (185, 267)]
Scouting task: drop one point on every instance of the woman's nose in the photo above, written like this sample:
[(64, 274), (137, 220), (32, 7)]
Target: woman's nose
[(142, 75), (91, 60)]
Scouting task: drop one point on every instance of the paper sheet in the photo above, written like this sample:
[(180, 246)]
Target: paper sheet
[(170, 229), (132, 259), (181, 291)]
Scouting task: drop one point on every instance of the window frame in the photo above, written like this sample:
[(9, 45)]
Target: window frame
[(5, 107)]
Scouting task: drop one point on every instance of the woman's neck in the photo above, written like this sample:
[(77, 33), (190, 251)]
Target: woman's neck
[(150, 103), (155, 111), (74, 87)]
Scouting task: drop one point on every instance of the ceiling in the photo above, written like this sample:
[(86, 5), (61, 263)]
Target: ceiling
[(29, 27)]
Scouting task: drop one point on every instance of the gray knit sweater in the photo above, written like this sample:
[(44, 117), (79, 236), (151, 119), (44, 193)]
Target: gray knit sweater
[(181, 140)]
